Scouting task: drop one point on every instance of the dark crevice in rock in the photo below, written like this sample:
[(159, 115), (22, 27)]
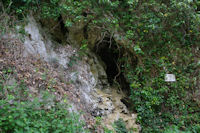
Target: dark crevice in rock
[(126, 101), (55, 28), (58, 40), (110, 54), (124, 84), (84, 14), (85, 32), (63, 29)]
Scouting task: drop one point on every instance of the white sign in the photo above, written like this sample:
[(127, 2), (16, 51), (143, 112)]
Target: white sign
[(170, 78)]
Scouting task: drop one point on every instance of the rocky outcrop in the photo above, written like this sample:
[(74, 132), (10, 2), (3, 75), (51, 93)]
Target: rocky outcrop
[(85, 73)]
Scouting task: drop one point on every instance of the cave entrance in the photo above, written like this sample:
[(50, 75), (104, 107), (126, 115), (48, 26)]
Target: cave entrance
[(110, 54)]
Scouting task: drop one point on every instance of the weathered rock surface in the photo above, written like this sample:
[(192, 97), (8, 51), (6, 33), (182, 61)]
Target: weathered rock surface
[(87, 75)]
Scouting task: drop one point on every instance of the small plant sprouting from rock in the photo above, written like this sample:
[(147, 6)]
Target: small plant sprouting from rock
[(120, 126), (81, 52)]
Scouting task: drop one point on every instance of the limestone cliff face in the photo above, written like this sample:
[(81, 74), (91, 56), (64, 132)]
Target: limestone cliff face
[(86, 73)]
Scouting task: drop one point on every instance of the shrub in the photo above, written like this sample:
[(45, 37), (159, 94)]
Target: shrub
[(120, 126), (30, 117), (21, 112)]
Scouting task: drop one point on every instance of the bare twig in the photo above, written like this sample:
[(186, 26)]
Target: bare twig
[(55, 26), (111, 36), (119, 71)]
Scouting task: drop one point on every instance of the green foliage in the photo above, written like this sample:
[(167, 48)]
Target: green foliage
[(160, 104), (81, 53), (83, 49), (98, 120), (73, 60), (26, 117), (120, 126), (175, 129), (22, 112), (164, 34)]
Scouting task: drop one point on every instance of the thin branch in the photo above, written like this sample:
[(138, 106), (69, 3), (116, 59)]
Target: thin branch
[(111, 39), (104, 33), (118, 65)]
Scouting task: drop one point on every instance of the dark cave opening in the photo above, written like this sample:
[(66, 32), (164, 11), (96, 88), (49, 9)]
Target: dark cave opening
[(110, 54), (57, 28), (63, 29)]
